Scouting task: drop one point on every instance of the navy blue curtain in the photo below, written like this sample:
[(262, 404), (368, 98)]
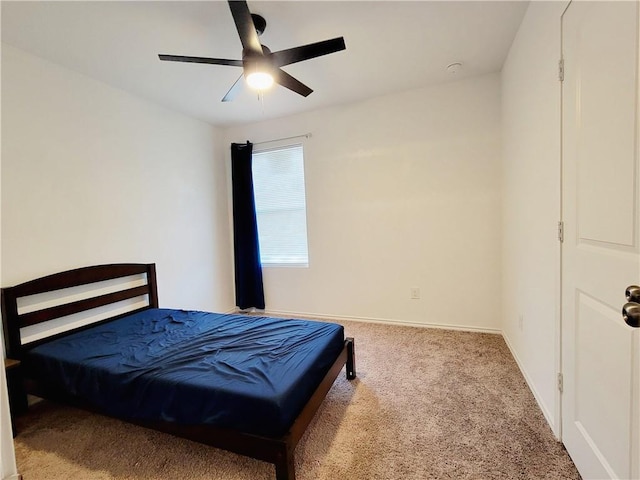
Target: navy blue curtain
[(249, 290)]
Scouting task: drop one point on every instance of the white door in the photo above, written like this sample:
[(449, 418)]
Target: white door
[(600, 253)]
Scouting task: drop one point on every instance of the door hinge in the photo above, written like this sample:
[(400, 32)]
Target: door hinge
[(561, 70), (560, 383), (561, 231)]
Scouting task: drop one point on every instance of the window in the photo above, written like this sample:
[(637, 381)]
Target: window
[(278, 183)]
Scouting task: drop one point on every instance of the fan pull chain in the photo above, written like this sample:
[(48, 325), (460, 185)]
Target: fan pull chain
[(261, 99)]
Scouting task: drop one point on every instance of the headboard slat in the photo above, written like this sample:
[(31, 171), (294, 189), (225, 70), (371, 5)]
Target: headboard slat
[(52, 313), (77, 277)]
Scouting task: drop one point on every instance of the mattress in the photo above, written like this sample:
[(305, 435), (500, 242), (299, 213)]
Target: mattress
[(247, 373)]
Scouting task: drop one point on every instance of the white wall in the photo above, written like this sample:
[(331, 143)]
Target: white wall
[(91, 174), (8, 466), (531, 202), (402, 191)]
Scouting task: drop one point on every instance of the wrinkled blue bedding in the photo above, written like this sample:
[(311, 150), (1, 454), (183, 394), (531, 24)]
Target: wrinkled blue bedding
[(248, 373)]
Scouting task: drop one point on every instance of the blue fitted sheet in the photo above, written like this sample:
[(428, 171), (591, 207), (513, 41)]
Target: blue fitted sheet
[(248, 373)]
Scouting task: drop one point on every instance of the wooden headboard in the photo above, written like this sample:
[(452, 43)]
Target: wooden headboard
[(13, 321)]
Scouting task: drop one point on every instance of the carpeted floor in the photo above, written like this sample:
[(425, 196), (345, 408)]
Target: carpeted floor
[(427, 404)]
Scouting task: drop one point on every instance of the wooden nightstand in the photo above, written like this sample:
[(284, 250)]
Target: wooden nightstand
[(17, 395)]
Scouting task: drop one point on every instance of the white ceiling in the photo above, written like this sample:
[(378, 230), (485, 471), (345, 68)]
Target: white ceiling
[(391, 46)]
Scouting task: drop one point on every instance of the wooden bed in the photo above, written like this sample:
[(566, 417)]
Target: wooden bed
[(279, 451)]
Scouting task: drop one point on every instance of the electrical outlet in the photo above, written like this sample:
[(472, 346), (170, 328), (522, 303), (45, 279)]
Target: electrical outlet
[(415, 293)]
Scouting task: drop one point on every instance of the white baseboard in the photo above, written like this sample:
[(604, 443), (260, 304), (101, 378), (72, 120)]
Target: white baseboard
[(13, 477), (536, 395), (386, 321)]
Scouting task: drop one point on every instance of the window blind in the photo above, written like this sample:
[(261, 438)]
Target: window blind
[(278, 182)]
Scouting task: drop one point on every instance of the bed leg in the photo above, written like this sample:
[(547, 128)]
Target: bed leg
[(351, 358), (285, 466)]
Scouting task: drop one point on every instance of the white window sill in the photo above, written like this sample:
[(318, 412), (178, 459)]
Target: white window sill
[(285, 265)]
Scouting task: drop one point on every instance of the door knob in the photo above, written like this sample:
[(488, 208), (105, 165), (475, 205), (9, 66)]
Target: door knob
[(631, 314), (633, 293)]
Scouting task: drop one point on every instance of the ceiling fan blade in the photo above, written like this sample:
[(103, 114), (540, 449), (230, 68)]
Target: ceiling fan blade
[(234, 90), (305, 52), (245, 26), (212, 61), (286, 80)]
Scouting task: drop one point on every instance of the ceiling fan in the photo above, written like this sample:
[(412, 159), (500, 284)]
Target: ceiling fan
[(262, 66)]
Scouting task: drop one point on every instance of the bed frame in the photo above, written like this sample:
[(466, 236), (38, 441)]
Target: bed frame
[(279, 451)]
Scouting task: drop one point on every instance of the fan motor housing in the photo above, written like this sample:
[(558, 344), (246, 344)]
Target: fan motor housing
[(259, 23)]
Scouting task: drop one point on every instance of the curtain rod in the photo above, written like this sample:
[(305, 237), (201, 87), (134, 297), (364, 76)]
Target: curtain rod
[(304, 135)]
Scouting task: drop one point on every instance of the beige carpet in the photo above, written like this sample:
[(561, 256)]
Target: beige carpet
[(427, 404)]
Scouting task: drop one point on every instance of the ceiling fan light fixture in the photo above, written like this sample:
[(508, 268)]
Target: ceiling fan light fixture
[(259, 80), (261, 67)]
